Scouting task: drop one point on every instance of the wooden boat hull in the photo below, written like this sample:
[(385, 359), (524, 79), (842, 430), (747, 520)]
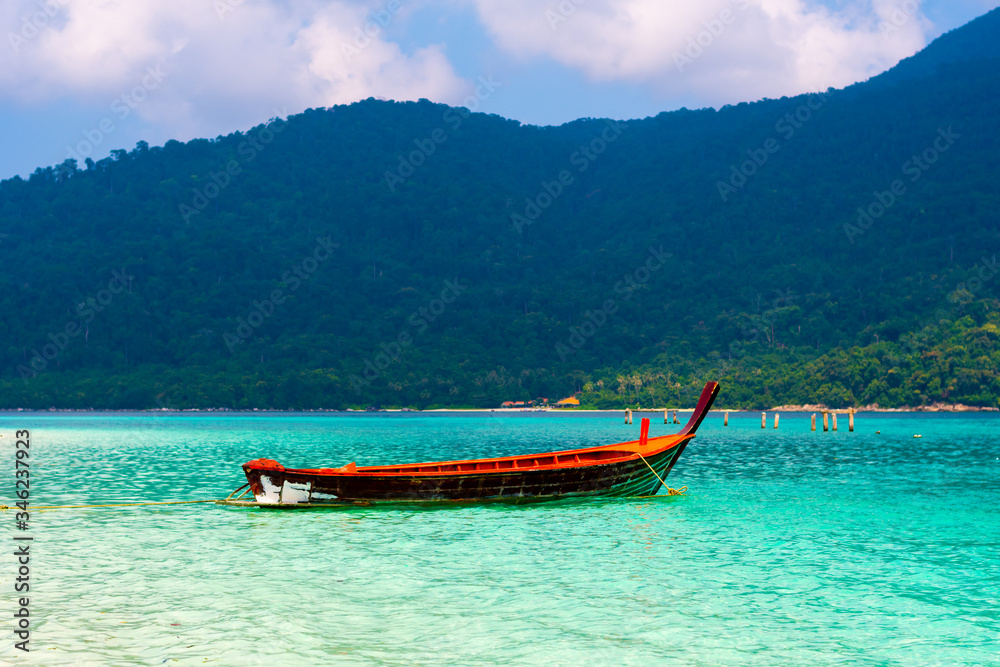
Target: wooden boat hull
[(620, 478), (634, 468)]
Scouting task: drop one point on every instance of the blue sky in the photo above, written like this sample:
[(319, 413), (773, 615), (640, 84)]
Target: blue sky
[(84, 77)]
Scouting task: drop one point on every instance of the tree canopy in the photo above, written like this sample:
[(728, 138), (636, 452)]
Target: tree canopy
[(837, 247)]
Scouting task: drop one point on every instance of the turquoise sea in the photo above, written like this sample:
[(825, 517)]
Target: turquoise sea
[(790, 547)]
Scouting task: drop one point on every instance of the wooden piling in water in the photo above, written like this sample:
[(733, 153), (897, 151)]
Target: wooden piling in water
[(665, 417), (834, 421), (725, 420), (763, 420), (628, 415), (850, 421), (826, 422), (814, 421), (776, 420), (676, 420)]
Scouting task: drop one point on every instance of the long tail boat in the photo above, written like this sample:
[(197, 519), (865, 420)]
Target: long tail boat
[(635, 468)]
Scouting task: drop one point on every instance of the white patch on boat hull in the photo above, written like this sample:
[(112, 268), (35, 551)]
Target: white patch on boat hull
[(292, 493), (272, 492), (278, 491)]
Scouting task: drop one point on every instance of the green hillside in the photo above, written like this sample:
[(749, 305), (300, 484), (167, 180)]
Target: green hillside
[(836, 248)]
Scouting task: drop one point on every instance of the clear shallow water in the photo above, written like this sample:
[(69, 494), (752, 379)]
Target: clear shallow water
[(791, 547)]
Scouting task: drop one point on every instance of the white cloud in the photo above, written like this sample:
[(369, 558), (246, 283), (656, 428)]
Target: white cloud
[(346, 64), (228, 63), (719, 50), (232, 63)]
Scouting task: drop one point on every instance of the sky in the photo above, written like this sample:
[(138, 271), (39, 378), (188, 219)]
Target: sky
[(79, 78)]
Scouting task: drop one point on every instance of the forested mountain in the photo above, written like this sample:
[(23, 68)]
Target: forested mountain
[(836, 248)]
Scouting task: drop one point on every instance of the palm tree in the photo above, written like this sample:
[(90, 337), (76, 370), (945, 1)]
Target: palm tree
[(650, 379)]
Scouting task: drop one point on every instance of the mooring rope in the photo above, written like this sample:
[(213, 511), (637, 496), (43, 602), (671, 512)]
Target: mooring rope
[(43, 508), (670, 492)]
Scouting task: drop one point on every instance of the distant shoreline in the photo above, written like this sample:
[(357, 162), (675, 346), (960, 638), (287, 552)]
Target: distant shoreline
[(936, 407)]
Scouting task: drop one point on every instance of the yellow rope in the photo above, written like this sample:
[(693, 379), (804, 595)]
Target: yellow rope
[(43, 508), (670, 492)]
